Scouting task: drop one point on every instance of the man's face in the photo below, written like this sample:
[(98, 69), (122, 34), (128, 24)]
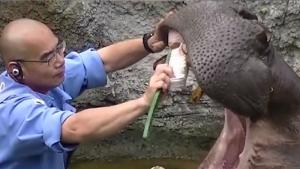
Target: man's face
[(43, 68)]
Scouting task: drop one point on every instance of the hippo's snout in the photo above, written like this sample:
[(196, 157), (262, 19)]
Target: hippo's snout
[(225, 47)]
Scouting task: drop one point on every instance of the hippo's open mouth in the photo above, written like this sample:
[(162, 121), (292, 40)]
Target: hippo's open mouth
[(227, 150)]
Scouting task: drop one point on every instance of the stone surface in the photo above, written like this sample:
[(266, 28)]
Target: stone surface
[(180, 128)]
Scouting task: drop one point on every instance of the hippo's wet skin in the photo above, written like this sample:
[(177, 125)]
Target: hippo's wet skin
[(236, 65)]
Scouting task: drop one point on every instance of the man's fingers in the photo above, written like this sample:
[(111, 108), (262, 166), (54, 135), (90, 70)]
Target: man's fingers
[(164, 77), (158, 46), (161, 30), (161, 77), (161, 84), (167, 15), (164, 68)]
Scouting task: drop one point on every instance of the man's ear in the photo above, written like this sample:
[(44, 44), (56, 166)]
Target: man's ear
[(14, 69)]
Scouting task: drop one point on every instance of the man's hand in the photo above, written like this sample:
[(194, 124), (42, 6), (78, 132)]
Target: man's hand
[(159, 80), (159, 40)]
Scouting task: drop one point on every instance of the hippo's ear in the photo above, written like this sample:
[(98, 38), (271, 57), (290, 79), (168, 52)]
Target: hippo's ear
[(262, 42), (263, 39)]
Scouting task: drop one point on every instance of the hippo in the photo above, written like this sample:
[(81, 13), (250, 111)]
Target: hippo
[(231, 54)]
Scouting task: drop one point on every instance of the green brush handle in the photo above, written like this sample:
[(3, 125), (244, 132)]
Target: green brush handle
[(153, 106)]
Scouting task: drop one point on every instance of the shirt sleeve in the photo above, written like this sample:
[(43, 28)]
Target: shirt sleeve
[(38, 127), (83, 71)]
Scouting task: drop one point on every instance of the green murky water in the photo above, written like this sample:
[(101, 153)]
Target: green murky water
[(136, 164)]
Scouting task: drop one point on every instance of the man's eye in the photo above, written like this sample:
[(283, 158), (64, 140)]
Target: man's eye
[(50, 57)]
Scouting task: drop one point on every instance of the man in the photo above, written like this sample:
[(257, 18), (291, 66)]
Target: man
[(38, 126)]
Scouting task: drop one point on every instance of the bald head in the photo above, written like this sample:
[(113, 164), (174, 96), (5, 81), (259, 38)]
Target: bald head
[(22, 38)]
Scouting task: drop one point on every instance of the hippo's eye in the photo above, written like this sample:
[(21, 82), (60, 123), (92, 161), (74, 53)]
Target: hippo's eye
[(247, 15), (244, 13)]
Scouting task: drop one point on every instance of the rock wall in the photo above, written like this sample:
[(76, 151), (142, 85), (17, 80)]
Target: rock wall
[(180, 128)]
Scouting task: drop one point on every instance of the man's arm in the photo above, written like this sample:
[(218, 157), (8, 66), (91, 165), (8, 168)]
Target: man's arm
[(97, 123), (122, 54), (125, 53)]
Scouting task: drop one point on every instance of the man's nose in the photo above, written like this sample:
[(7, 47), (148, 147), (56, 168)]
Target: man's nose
[(60, 60)]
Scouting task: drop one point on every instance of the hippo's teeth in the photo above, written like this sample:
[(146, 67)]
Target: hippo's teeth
[(179, 65)]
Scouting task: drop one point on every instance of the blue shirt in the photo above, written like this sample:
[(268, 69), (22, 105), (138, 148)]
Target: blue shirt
[(31, 122)]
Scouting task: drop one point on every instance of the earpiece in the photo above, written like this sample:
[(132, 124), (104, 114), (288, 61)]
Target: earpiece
[(16, 71)]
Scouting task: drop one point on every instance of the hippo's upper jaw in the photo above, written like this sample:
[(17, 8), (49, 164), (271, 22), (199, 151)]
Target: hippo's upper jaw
[(235, 64)]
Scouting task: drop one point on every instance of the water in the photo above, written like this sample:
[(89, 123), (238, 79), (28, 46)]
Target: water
[(136, 164)]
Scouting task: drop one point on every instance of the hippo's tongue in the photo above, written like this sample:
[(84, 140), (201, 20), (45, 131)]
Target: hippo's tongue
[(225, 153)]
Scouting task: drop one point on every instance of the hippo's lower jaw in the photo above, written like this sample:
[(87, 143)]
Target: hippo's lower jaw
[(226, 152)]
